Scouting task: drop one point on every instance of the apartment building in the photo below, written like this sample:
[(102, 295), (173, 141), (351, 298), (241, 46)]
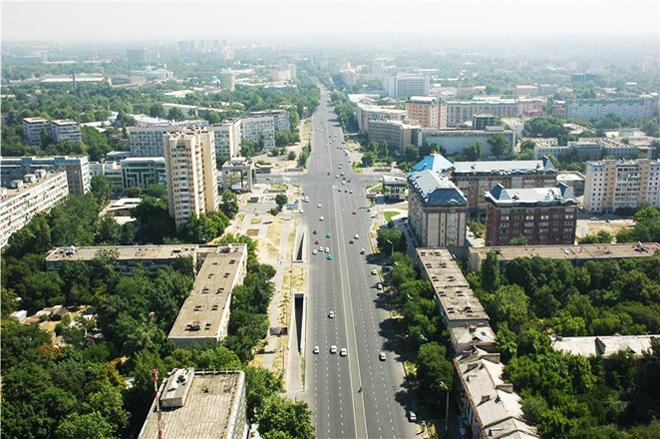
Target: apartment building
[(399, 85), (260, 130), (146, 139), (437, 210), (426, 111), (544, 215), (32, 129), (198, 404), (453, 140), (227, 80), (228, 137), (204, 315), (142, 172), (64, 130), (111, 171), (627, 108), (393, 133), (191, 173), (77, 170), (281, 118), (625, 184), (592, 149), (526, 90), (462, 111), (24, 198), (481, 121)]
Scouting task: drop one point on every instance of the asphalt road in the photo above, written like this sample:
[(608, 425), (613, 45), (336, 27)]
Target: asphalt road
[(346, 286)]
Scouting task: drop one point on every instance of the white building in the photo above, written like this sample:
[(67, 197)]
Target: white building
[(281, 118), (27, 197), (260, 130), (228, 136), (406, 84), (77, 170), (192, 187), (611, 185), (32, 128), (453, 141), (627, 108), (65, 131), (146, 139)]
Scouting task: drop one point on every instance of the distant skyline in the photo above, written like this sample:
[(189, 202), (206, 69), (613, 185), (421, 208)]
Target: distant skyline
[(132, 21)]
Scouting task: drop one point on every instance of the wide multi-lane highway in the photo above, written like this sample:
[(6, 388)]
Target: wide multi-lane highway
[(358, 395)]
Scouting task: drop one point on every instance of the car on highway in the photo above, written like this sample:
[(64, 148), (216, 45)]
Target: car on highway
[(357, 236), (350, 241), (321, 249), (315, 350), (316, 241), (329, 257), (319, 205), (327, 249), (343, 182), (331, 315), (343, 352), (314, 232), (349, 180), (321, 219), (362, 251), (314, 252), (327, 235), (328, 173), (374, 272), (355, 212), (382, 356), (350, 192), (412, 416), (339, 190), (333, 349), (336, 175), (379, 286)]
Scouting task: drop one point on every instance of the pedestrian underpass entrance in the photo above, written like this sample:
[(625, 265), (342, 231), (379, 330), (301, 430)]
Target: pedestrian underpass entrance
[(299, 320)]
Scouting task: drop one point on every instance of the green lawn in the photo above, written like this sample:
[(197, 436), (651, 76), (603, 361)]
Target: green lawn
[(389, 214)]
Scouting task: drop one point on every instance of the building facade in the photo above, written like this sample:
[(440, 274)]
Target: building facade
[(437, 210), (260, 130), (228, 136), (77, 170), (191, 173), (481, 121), (65, 131), (406, 84), (143, 172), (453, 141), (32, 129), (462, 111), (627, 108), (32, 194), (364, 112), (146, 139), (544, 215), (281, 118), (427, 112), (610, 185), (393, 133)]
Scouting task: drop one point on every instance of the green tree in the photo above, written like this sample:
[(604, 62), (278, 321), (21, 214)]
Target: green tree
[(282, 415), (434, 371), (100, 188), (519, 240), (88, 426), (498, 144), (281, 200), (157, 110), (391, 239), (175, 113), (472, 152), (229, 204), (490, 271)]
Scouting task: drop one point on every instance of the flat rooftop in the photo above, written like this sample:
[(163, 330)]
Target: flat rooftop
[(201, 314), (209, 405), (124, 252), (451, 288), (8, 193), (604, 346), (567, 252), (503, 167)]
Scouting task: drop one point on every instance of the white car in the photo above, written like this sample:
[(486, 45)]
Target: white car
[(379, 286), (343, 352), (327, 249), (321, 249), (321, 219), (362, 251), (333, 349), (382, 356), (319, 206), (374, 272), (331, 314), (357, 236), (315, 350), (412, 416)]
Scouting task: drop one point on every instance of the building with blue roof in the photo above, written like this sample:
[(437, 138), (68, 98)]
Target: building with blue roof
[(437, 210), (434, 162)]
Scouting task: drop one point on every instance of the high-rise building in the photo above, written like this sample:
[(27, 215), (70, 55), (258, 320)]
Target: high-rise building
[(226, 78), (281, 118), (26, 197), (543, 215), (400, 85), (32, 129), (610, 185), (260, 130), (228, 137), (425, 111), (190, 167), (138, 57), (437, 210), (77, 170)]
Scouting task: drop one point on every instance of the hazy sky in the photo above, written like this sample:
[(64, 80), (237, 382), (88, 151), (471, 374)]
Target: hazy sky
[(130, 20)]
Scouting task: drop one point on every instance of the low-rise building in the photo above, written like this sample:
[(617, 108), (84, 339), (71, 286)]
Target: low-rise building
[(481, 121), (112, 172), (604, 345), (437, 210), (393, 133), (77, 170), (610, 185), (33, 128), (546, 215), (198, 405), (453, 141), (641, 107), (142, 172), (464, 338), (25, 198), (394, 188), (366, 111), (459, 112), (488, 406), (591, 149), (204, 315), (427, 111), (577, 254), (281, 118), (458, 305)]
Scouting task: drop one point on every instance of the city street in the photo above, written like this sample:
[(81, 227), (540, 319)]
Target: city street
[(357, 395)]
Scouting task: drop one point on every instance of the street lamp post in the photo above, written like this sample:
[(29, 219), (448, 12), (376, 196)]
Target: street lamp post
[(446, 389), (391, 248)]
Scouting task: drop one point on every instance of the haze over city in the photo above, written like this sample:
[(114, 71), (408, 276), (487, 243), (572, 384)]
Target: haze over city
[(330, 219)]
